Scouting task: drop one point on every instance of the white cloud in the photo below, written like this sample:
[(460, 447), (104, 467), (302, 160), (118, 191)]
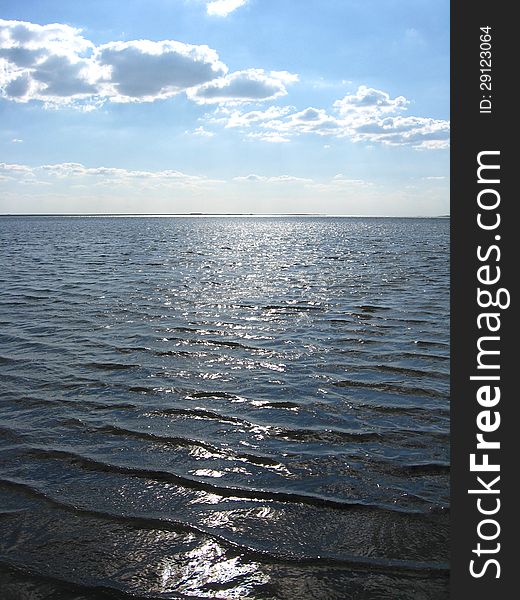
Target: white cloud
[(285, 76), (200, 131), (55, 64), (27, 39), (145, 71), (269, 136), (76, 188), (45, 62), (369, 115), (223, 8), (250, 85), (310, 120), (252, 178), (79, 175), (76, 173), (232, 117), (419, 132), (14, 170), (369, 101)]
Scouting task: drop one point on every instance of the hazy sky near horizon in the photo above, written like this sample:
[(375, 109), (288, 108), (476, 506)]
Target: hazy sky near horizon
[(173, 106)]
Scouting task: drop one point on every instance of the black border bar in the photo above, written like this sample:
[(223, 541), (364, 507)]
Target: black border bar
[(475, 131)]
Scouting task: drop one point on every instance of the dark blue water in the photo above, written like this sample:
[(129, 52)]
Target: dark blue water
[(224, 408)]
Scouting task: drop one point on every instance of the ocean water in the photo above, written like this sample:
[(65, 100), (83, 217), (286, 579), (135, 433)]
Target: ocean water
[(224, 408)]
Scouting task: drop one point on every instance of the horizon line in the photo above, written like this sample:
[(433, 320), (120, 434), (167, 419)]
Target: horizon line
[(203, 214)]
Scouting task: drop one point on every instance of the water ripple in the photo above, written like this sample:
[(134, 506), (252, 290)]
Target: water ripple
[(224, 408)]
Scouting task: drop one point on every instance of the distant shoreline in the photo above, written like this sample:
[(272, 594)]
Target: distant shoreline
[(200, 214)]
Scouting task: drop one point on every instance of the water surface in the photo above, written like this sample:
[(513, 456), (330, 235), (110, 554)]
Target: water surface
[(224, 408)]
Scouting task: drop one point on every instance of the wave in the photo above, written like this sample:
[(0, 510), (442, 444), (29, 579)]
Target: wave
[(282, 496), (389, 387), (110, 366), (254, 553), (135, 352)]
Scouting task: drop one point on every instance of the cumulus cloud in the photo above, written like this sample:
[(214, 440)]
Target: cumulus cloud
[(310, 120), (420, 132), (368, 115), (57, 65), (369, 101), (243, 86), (45, 62), (223, 8), (29, 39), (145, 70), (58, 77)]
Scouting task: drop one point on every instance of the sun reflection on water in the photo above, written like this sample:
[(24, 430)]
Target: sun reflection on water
[(206, 568)]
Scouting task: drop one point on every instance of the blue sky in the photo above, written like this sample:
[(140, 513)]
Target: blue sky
[(173, 106)]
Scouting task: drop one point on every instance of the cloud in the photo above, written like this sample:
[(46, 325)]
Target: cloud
[(20, 56), (369, 101), (55, 64), (223, 8), (44, 62), (76, 188), (145, 71), (232, 117), (311, 120), (369, 115), (269, 136), (252, 178), (419, 132), (58, 77), (14, 170), (29, 39), (339, 184), (201, 132), (243, 86), (77, 173)]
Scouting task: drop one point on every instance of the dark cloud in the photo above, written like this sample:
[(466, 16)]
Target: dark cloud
[(62, 78), (21, 57), (17, 88), (136, 72), (54, 63)]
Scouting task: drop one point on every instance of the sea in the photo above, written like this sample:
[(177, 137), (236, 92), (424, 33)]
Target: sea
[(224, 407)]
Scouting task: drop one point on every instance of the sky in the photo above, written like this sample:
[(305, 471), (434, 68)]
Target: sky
[(225, 106)]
